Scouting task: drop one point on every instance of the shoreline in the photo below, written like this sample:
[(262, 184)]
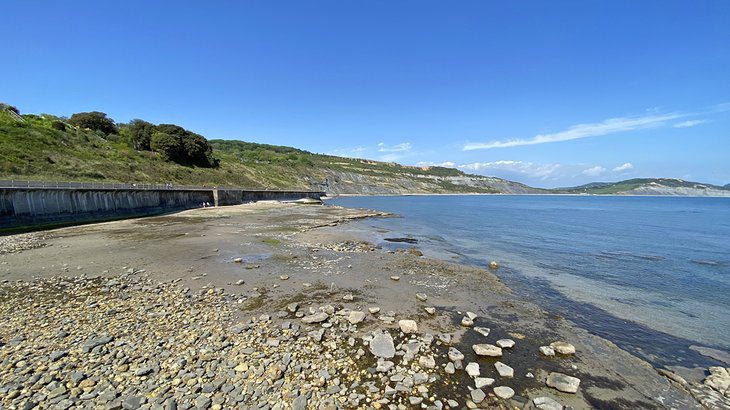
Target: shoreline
[(298, 254)]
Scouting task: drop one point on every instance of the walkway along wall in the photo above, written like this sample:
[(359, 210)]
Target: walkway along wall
[(27, 208)]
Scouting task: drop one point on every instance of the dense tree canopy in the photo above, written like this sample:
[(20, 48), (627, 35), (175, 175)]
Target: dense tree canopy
[(94, 120), (140, 133)]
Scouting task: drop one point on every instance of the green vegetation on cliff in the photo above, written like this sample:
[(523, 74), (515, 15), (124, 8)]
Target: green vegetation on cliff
[(91, 147)]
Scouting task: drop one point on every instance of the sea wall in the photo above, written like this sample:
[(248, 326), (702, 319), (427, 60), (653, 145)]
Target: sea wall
[(27, 208)]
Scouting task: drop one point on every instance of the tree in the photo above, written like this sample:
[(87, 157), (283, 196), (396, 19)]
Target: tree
[(192, 148), (141, 134), (166, 145), (94, 120), (8, 107), (58, 125)]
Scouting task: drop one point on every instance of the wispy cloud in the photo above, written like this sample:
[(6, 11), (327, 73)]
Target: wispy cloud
[(690, 123), (625, 167), (606, 127), (447, 164), (402, 147), (355, 152), (530, 169), (594, 171)]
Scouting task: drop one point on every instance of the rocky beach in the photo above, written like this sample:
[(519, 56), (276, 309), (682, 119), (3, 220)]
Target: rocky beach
[(273, 306)]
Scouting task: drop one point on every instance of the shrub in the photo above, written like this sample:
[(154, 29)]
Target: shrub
[(58, 125), (94, 120), (8, 107), (166, 145), (140, 133)]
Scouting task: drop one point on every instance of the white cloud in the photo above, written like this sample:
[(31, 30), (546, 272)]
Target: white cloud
[(690, 123), (625, 167), (348, 152), (402, 147), (447, 164), (530, 169), (594, 171), (606, 127)]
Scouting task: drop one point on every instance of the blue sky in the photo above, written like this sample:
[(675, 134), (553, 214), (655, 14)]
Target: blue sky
[(547, 93)]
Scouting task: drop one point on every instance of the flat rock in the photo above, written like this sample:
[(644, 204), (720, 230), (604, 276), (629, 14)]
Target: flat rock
[(356, 317), (563, 347), (487, 350), (382, 345), (477, 395), (504, 370), (484, 331), (455, 354), (408, 326), (505, 343), (316, 318), (504, 392), (422, 297), (563, 382), (547, 351), (546, 403), (472, 369), (480, 382)]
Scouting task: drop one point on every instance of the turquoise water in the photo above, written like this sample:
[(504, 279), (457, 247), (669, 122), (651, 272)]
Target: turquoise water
[(649, 273)]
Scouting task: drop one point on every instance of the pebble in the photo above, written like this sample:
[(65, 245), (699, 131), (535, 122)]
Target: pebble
[(563, 348), (408, 326), (472, 369), (504, 370), (487, 350), (504, 392), (505, 343)]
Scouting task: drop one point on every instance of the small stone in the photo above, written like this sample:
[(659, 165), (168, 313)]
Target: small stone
[(480, 382), (373, 310), (465, 321), (487, 350), (395, 277), (504, 392), (284, 277), (292, 307), (238, 260), (455, 354), (427, 361), (382, 345), (240, 282), (315, 318), (547, 351), (408, 326), (563, 382), (356, 317), (477, 395), (422, 297), (348, 297), (505, 343), (449, 368), (493, 265), (504, 370), (546, 403), (563, 347), (472, 369), (430, 310)]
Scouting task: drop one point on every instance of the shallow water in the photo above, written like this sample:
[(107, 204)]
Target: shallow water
[(650, 273)]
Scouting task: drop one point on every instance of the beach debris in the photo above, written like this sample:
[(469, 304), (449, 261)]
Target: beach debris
[(563, 382)]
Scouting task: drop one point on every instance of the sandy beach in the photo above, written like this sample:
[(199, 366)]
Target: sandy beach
[(272, 305)]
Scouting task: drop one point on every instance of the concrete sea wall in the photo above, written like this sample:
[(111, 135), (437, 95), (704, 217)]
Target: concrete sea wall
[(27, 208)]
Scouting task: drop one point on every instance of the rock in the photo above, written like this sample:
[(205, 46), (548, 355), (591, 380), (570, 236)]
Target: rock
[(132, 402), (449, 368), (493, 265), (430, 310), (315, 318), (562, 382), (505, 343), (563, 347), (455, 354), (143, 371), (408, 326), (484, 331), (240, 282), (395, 277), (203, 402), (487, 350), (384, 366), (480, 382), (427, 361), (504, 370), (547, 351), (373, 310), (284, 277), (90, 344), (57, 355), (672, 376), (504, 392), (382, 345), (472, 369), (546, 403), (292, 307), (356, 317), (422, 297), (477, 395), (348, 297), (465, 321), (238, 260)]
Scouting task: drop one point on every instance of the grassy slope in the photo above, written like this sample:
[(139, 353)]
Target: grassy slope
[(34, 150)]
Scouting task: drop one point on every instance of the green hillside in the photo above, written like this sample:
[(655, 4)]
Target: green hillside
[(47, 147), (611, 188)]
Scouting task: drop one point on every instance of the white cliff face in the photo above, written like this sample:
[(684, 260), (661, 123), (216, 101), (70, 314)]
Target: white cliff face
[(657, 189)]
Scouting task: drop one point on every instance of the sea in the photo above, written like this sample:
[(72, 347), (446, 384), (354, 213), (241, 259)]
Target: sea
[(651, 274)]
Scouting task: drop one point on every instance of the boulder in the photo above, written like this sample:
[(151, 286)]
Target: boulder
[(563, 382)]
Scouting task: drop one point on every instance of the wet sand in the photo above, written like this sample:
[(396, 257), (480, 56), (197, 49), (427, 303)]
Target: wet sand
[(285, 253)]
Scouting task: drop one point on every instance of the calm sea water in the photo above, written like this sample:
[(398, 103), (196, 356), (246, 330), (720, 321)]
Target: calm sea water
[(649, 273)]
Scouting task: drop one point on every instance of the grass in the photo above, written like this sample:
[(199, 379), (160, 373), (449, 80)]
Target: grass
[(32, 149)]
